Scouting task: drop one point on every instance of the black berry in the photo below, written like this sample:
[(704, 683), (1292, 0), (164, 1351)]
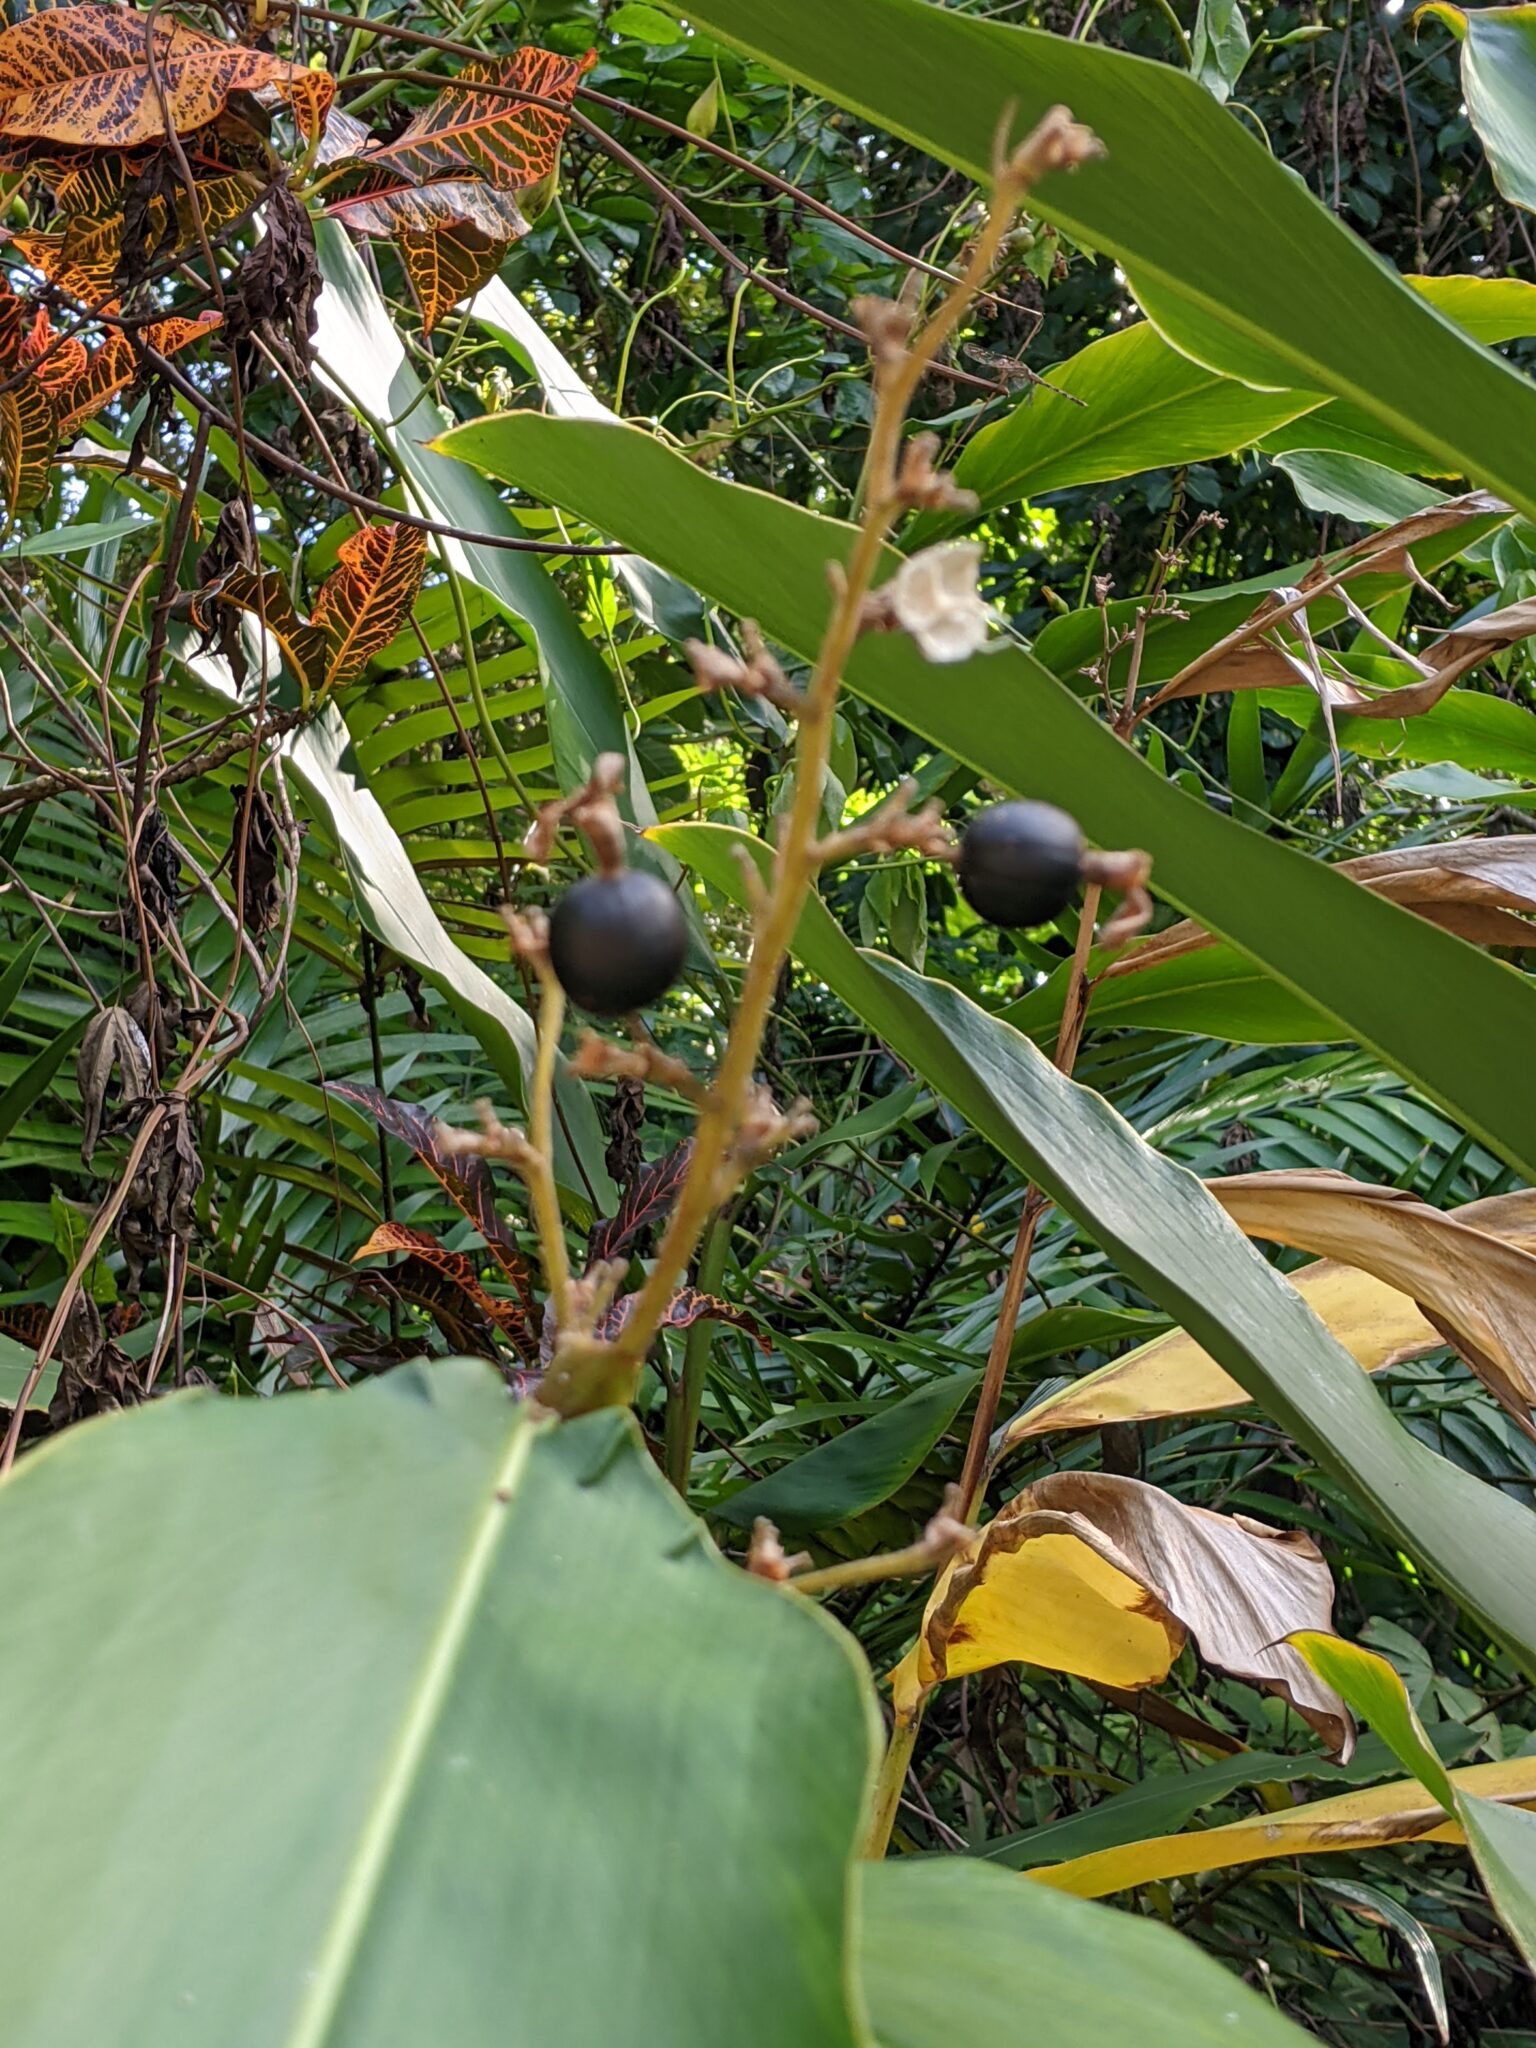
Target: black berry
[(617, 942), (1020, 863)]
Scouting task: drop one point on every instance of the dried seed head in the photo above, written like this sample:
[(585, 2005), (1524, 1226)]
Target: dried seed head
[(925, 488), (886, 325), (592, 810)]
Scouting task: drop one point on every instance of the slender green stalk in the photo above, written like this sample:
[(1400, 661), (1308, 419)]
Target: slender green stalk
[(688, 1394)]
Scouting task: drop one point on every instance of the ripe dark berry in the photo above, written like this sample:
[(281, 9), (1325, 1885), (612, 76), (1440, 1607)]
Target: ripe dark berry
[(617, 942), (1020, 863)]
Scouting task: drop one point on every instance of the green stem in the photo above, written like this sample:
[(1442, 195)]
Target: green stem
[(688, 1392), (893, 1775)]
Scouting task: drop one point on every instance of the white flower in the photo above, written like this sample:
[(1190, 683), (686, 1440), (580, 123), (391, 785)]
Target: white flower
[(934, 598)]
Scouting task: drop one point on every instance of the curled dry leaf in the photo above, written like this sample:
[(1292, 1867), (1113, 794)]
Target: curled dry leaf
[(1106, 1578), (110, 77), (1376, 1323), (1477, 1290), (113, 1044), (1481, 889)]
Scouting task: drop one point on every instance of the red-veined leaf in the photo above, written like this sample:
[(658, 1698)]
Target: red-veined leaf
[(29, 434), (451, 234), (111, 77), (511, 144), (464, 1176), (447, 265), (115, 365), (643, 1203), (687, 1307)]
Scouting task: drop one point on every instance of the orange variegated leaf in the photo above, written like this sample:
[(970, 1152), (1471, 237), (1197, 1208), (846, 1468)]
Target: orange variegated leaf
[(451, 1270), (114, 366), (29, 434), (367, 598), (510, 143), (57, 361), (113, 77), (447, 265), (268, 599), (82, 261)]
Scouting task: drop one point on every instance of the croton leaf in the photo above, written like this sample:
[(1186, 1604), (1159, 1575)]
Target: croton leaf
[(509, 143), (84, 256), (115, 364), (644, 1202), (367, 598), (110, 77), (29, 434), (464, 1176), (446, 1284), (687, 1307), (452, 234)]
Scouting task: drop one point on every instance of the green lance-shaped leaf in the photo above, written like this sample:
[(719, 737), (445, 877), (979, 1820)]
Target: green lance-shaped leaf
[(1457, 1022), (1236, 262)]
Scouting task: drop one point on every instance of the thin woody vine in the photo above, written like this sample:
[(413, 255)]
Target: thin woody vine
[(615, 942)]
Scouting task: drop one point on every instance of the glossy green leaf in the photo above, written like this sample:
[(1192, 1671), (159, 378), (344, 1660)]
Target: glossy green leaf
[(1163, 1230), (31, 1084), (1236, 261), (857, 1470), (1349, 487), (483, 1675), (1456, 1021), (1220, 46), (1217, 992), (1126, 403), (954, 1954), (1498, 78)]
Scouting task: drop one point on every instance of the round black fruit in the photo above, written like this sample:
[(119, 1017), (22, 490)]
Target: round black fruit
[(1020, 863), (617, 942)]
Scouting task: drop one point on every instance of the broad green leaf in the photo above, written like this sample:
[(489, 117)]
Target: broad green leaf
[(1126, 403), (1171, 1238), (1367, 493), (14, 979), (953, 1954), (855, 1471), (359, 352), (483, 1674), (1456, 1021), (1139, 404), (1468, 728), (75, 540), (1217, 991), (660, 600), (1498, 78), (1237, 262)]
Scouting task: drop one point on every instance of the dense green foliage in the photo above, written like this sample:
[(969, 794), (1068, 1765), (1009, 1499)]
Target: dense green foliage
[(331, 972)]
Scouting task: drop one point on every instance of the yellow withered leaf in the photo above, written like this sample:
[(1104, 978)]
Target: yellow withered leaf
[(1173, 1375), (1373, 1819), (1104, 1577)]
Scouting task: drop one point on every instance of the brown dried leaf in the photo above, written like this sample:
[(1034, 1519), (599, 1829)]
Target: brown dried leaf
[(1104, 1577), (1477, 1290), (113, 1043), (1477, 888), (1172, 1375)]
